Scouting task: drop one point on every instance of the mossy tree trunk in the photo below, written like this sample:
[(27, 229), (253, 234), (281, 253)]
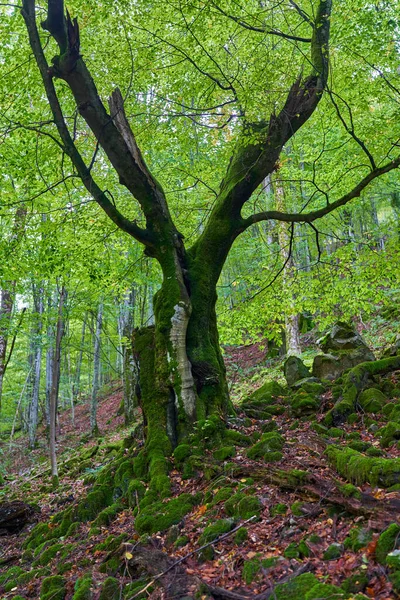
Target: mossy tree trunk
[(182, 374)]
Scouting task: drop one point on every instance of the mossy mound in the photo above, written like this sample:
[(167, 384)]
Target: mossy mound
[(297, 588), (333, 552), (278, 509), (270, 391), (371, 400), (224, 453), (389, 434), (252, 567), (159, 516), (356, 583), (303, 403), (82, 588), (387, 542), (269, 442), (110, 590), (53, 588), (359, 469), (242, 506), (324, 591), (214, 530)]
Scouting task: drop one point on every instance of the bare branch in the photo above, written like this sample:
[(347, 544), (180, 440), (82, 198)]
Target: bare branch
[(318, 214)]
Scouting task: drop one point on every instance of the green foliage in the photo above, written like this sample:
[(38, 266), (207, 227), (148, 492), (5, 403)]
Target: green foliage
[(53, 588)]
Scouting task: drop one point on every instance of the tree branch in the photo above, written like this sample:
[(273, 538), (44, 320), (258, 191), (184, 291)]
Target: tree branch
[(130, 227), (318, 214)]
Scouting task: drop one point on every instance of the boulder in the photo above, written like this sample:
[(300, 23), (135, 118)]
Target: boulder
[(331, 366), (294, 370), (342, 337)]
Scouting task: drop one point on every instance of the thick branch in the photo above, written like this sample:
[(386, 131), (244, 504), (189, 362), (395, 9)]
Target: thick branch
[(28, 13), (317, 214), (135, 175)]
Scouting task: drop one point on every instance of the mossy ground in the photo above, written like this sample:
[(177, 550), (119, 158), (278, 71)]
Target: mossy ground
[(210, 488)]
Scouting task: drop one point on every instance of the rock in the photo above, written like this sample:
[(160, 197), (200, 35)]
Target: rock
[(331, 366), (394, 348), (372, 400), (294, 370), (14, 515), (341, 337)]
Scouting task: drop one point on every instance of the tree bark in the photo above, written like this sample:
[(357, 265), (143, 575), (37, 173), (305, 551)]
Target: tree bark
[(55, 385), (36, 364), (96, 371)]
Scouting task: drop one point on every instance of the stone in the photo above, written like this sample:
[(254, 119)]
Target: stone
[(331, 366), (342, 336), (294, 370)]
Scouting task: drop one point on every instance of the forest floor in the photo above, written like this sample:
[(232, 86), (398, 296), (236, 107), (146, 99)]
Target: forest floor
[(295, 524)]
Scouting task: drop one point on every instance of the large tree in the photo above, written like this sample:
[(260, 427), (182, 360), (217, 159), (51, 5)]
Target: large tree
[(182, 373)]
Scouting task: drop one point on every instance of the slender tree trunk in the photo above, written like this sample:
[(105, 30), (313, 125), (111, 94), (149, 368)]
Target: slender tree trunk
[(77, 381), (55, 385), (292, 330), (6, 306), (96, 371), (36, 365), (129, 366)]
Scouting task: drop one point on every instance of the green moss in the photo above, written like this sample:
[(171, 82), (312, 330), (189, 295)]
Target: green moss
[(389, 434), (135, 493), (335, 432), (236, 437), (64, 567), (324, 591), (269, 426), (314, 539), (303, 403), (291, 551), (111, 566), (387, 542), (53, 588), (132, 590), (319, 428), (296, 509), (111, 543), (353, 418), (357, 468), (110, 590), (371, 400), (270, 391), (181, 541), (373, 451), (359, 446), (48, 554), (273, 456), (11, 574), (393, 559), (182, 452), (356, 583), (350, 491), (159, 516), (269, 442), (278, 509), (224, 453), (94, 503), (395, 580), (213, 531), (357, 539), (37, 536), (333, 552), (28, 576), (106, 516), (241, 536), (295, 589), (124, 474), (82, 588), (242, 506), (223, 494), (251, 568)]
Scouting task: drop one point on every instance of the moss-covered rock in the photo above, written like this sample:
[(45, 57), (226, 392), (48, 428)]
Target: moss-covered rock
[(159, 516), (335, 432), (106, 516), (224, 453), (297, 588), (181, 453), (95, 501), (303, 404), (355, 583), (271, 390), (53, 588), (82, 588), (110, 590), (135, 493), (359, 445), (393, 560), (387, 542), (236, 437), (390, 434), (371, 400), (213, 531), (252, 567), (296, 508), (325, 591), (278, 509), (333, 552), (269, 442), (241, 536), (350, 491), (358, 538)]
